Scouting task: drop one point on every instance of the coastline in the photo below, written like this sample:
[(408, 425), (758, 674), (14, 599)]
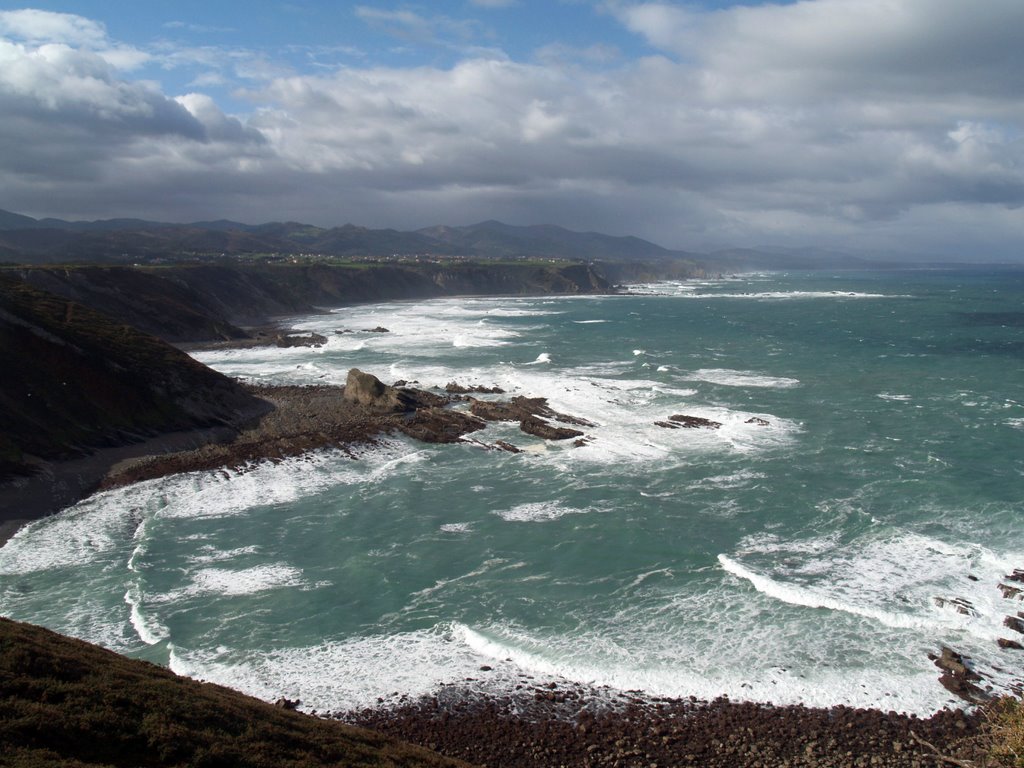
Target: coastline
[(499, 730)]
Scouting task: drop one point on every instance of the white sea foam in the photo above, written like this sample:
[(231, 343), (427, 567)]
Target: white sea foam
[(228, 582), (80, 534), (210, 554), (542, 358), (697, 289), (149, 629), (900, 579), (731, 378), (456, 527), (811, 598), (743, 478), (334, 676), (539, 512), (895, 397), (649, 661)]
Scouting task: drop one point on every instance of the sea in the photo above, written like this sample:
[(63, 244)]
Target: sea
[(857, 509)]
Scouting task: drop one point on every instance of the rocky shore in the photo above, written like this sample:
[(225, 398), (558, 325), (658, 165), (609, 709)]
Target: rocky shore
[(303, 419), (549, 724)]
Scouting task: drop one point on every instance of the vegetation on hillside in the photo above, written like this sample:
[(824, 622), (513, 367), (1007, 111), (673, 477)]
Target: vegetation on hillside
[(67, 703)]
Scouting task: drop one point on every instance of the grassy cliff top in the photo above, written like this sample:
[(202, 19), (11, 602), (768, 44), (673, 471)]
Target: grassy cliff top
[(65, 702)]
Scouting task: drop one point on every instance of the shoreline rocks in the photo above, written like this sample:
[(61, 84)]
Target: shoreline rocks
[(563, 724)]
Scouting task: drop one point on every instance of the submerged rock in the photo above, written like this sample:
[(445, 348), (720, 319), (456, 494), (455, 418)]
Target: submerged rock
[(758, 421)]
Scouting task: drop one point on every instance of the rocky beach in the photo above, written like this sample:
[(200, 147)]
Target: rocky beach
[(550, 724)]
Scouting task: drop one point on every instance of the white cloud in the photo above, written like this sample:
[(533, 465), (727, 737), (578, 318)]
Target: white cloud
[(34, 26), (827, 122)]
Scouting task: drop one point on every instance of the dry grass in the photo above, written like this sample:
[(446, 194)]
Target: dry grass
[(1006, 731)]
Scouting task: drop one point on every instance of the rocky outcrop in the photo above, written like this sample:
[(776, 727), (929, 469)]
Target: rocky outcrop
[(367, 390), (531, 425), (454, 388), (958, 604), (520, 408), (758, 421), (533, 415), (439, 425), (1011, 593), (958, 678), (688, 422), (300, 340)]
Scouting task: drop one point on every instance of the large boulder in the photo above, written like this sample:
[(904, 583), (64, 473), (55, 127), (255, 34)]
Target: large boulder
[(367, 390)]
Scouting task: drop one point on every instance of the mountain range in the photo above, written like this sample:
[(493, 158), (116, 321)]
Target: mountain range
[(25, 240)]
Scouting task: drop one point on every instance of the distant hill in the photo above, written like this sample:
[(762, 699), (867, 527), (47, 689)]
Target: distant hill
[(498, 240), (31, 241), (124, 241), (69, 703)]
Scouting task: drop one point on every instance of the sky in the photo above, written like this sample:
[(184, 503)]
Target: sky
[(868, 126)]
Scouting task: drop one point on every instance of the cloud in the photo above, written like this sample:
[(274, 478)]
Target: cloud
[(35, 26), (413, 27), (874, 124)]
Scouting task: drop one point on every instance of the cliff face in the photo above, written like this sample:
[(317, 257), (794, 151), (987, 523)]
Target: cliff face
[(78, 381), (70, 703), (209, 302)]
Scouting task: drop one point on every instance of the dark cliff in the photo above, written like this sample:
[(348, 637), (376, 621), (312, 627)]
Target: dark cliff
[(182, 303), (76, 381)]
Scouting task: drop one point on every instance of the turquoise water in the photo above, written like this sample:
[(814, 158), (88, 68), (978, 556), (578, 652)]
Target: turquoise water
[(794, 562)]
